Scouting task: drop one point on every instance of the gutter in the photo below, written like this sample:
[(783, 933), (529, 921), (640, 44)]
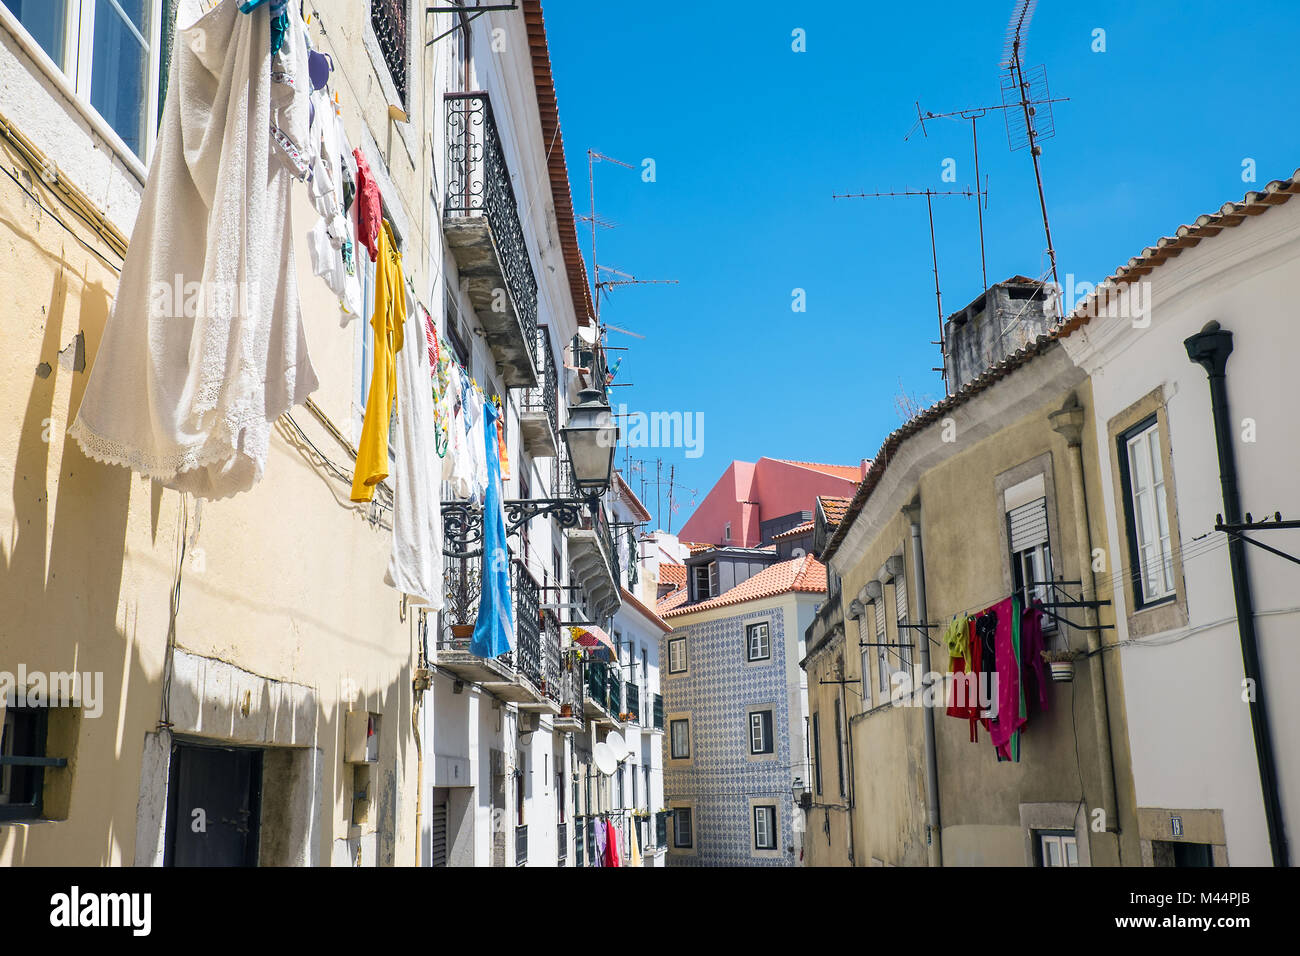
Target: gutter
[(933, 828), (1210, 349)]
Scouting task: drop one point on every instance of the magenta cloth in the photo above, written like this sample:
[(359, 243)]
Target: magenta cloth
[(1032, 667), (611, 845), (369, 207), (601, 842), (1007, 669)]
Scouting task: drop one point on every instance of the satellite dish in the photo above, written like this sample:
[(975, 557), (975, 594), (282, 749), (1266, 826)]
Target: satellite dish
[(605, 761), (618, 747)]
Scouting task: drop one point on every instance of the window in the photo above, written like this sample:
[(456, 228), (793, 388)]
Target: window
[(559, 796), (1031, 552), (760, 732), (904, 663), (677, 655), (388, 18), (23, 762), (1057, 848), (1146, 507), (765, 827), (682, 828), (758, 646), (108, 49), (647, 786), (713, 579), (817, 752), (726, 533), (882, 650), (680, 731)]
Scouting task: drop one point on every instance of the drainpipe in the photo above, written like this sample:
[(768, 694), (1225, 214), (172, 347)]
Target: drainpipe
[(1210, 349), (1068, 423), (921, 638)]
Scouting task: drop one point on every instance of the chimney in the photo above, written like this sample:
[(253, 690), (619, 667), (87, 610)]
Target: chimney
[(1006, 318)]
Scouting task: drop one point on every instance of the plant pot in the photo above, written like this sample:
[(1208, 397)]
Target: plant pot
[(462, 631), (566, 710), (1062, 671)]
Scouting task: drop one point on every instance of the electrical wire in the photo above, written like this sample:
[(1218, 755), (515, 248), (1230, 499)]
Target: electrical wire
[(116, 267)]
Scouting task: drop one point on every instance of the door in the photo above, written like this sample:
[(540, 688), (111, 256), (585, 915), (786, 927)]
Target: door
[(213, 806)]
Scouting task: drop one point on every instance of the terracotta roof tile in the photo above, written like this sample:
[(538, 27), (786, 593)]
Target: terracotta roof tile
[(797, 530), (849, 472), (834, 508), (803, 574), (674, 574)]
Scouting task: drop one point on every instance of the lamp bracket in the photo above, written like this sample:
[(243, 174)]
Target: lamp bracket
[(462, 521)]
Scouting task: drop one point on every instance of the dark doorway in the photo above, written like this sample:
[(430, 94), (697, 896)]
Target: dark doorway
[(1173, 853), (213, 806)]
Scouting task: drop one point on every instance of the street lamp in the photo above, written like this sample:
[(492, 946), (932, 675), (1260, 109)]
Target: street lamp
[(591, 437), (801, 794)]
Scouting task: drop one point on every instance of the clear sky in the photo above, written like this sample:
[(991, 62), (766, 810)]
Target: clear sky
[(750, 139)]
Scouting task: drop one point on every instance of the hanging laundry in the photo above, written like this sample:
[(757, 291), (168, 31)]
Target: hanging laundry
[(602, 839), (204, 348), (387, 322), (964, 691), (495, 627), (476, 442), (455, 464), (501, 443), (1011, 714), (611, 845), (1033, 668), (416, 564), (369, 209)]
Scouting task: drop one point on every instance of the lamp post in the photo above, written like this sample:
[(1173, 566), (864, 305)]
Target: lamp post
[(802, 798), (591, 439)]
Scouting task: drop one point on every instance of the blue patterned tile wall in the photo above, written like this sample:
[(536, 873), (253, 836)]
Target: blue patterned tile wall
[(718, 691)]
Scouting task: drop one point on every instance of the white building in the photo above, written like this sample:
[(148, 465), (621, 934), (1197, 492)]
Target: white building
[(1194, 757)]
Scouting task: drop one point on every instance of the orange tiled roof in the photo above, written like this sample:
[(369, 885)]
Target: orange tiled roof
[(633, 601), (674, 574), (851, 472), (798, 529), (697, 546), (834, 508), (670, 601), (803, 574)]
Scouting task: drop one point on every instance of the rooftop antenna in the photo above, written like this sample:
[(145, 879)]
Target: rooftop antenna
[(594, 157), (929, 195), (1027, 90)]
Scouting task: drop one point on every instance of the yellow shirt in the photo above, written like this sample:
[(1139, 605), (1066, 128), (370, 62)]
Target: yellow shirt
[(387, 322), (957, 638)]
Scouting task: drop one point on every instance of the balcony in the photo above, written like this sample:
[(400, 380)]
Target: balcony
[(659, 713), (661, 829), (515, 676), (592, 557), (571, 716), (562, 841), (632, 702), (521, 845), (538, 416), (548, 674), (481, 222), (604, 693)]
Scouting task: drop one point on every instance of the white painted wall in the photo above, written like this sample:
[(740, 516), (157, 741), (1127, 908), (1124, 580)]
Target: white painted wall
[(1189, 727)]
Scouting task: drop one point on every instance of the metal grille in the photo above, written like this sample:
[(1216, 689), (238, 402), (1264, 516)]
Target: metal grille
[(545, 397), (439, 855), (388, 18), (552, 661), (528, 649), (478, 183)]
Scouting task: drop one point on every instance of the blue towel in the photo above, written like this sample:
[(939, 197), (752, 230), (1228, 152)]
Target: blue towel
[(494, 630)]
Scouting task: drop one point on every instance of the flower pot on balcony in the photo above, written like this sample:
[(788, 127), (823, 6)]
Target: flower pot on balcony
[(462, 631), (1062, 671), (566, 710)]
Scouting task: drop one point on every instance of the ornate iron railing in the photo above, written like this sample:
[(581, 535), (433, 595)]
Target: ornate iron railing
[(661, 829), (528, 625), (603, 531), (478, 184), (614, 683), (388, 18), (463, 584), (571, 686), (552, 659), (521, 845), (632, 704), (659, 711), (597, 682), (545, 397)]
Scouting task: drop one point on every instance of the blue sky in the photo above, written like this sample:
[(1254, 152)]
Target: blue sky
[(751, 139)]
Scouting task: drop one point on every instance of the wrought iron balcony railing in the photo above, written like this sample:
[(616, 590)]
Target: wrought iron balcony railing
[(478, 184), (521, 845), (614, 683), (562, 841), (661, 829), (545, 397), (528, 625), (659, 712), (552, 658), (597, 682), (632, 700), (388, 18)]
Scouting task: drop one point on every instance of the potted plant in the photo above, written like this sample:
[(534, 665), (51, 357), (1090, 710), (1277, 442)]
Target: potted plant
[(462, 631), (566, 710), (1061, 664)]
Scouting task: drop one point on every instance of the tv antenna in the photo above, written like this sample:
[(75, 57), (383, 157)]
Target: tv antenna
[(929, 195), (627, 280), (1027, 89)]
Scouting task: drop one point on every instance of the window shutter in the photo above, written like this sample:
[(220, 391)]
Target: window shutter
[(1028, 525), (900, 598), (713, 579)]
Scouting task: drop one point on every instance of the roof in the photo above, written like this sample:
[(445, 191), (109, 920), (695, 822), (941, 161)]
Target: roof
[(561, 196), (804, 575), (670, 601), (629, 497), (833, 508), (1230, 214), (674, 574), (797, 530), (631, 599), (695, 547), (848, 472)]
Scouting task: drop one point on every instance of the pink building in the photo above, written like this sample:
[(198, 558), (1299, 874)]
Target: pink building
[(751, 493)]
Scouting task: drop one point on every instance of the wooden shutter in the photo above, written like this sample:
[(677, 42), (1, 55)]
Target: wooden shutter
[(1028, 525), (439, 834)]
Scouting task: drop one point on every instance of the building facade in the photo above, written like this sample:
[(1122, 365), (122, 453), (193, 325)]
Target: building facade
[(247, 654)]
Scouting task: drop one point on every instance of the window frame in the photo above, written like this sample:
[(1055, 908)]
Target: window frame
[(74, 67), (768, 812), (1148, 426), (817, 752), (672, 739), (673, 642), (33, 809), (1062, 839), (750, 631), (681, 814), (766, 726)]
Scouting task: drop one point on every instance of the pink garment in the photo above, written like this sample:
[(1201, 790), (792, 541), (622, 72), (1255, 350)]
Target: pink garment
[(1031, 658), (1007, 668), (611, 845), (369, 210)]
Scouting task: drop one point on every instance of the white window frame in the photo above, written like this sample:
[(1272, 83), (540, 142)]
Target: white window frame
[(904, 663), (767, 813), (882, 651), (673, 659), (759, 745), (726, 533), (78, 59), (672, 739), (690, 828), (1062, 845), (1151, 531), (755, 630)]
